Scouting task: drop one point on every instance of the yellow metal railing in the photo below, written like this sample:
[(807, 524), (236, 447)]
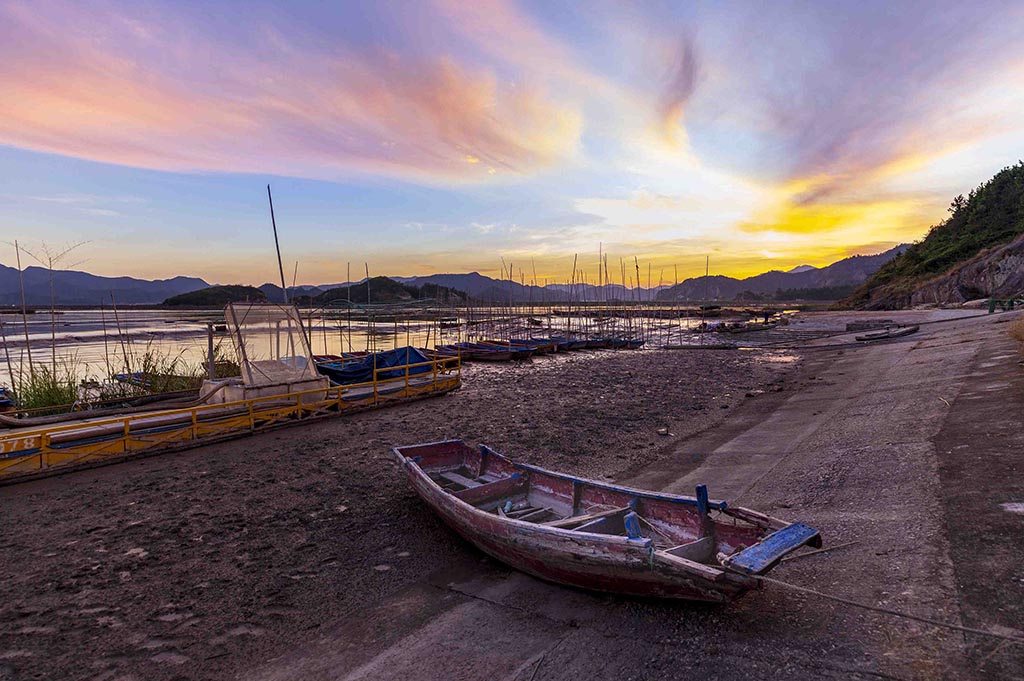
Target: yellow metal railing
[(30, 450)]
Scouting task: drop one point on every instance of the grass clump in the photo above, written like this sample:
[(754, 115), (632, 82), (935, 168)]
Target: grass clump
[(44, 387), (1016, 330)]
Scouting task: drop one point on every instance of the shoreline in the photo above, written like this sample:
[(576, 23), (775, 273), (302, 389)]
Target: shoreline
[(183, 537), (221, 561)]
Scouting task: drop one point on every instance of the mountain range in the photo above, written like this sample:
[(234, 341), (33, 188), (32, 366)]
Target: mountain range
[(800, 283), (75, 288), (71, 287)]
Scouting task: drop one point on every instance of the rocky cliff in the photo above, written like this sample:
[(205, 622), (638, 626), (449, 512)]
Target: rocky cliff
[(978, 252), (995, 273)]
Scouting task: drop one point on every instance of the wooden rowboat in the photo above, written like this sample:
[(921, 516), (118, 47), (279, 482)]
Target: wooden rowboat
[(593, 535), (475, 352), (889, 333)]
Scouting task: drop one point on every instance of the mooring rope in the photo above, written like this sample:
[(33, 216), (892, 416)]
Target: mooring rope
[(887, 611)]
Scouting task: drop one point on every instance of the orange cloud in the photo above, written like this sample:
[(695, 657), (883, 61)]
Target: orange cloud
[(123, 92), (862, 221)]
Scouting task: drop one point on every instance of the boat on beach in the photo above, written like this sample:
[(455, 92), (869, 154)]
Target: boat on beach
[(518, 351), (386, 364), (540, 346), (475, 352), (565, 343), (6, 399), (897, 332), (598, 536), (747, 327)]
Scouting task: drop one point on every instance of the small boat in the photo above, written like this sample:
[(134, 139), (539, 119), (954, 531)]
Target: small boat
[(595, 535), (379, 366), (566, 343), (447, 358), (897, 332), (6, 399), (632, 344), (598, 343), (540, 346), (561, 343), (518, 351), (750, 326), (700, 346), (474, 352)]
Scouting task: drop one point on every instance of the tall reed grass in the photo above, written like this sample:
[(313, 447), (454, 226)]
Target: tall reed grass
[(45, 388), (42, 386)]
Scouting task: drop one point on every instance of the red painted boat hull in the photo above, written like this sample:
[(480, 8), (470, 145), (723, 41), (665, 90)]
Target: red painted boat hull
[(599, 562)]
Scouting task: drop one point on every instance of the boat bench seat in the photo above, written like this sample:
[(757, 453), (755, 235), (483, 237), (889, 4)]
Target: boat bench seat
[(572, 522), (489, 492), (459, 479)]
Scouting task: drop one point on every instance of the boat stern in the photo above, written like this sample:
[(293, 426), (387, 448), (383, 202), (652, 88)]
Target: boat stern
[(766, 554)]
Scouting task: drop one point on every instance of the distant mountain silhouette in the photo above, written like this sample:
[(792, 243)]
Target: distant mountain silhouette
[(808, 281), (273, 291), (217, 296), (484, 288), (81, 288)]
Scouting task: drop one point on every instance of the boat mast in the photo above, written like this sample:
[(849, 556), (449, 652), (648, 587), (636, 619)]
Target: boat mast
[(280, 265)]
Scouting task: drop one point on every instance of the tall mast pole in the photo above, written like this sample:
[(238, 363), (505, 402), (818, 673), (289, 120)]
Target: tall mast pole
[(280, 266)]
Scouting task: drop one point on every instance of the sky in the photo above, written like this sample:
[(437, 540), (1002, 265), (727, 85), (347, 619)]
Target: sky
[(449, 136)]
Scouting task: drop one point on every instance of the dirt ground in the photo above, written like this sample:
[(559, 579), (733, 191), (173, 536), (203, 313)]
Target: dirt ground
[(301, 554), (211, 562)]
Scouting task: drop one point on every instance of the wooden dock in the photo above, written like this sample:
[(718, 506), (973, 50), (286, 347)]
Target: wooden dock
[(31, 452)]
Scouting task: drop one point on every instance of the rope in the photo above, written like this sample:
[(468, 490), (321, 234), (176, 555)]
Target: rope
[(887, 611)]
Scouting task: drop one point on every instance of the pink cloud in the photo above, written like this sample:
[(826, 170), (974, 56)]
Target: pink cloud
[(96, 85)]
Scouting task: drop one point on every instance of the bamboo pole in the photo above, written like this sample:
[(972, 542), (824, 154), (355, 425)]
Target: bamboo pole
[(7, 353), (24, 310), (277, 245)]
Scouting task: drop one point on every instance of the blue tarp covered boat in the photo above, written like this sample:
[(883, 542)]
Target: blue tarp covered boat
[(480, 352), (541, 346), (350, 371), (6, 399)]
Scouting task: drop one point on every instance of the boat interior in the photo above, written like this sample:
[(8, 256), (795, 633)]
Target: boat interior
[(688, 528)]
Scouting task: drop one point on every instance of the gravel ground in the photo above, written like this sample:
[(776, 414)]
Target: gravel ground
[(200, 564)]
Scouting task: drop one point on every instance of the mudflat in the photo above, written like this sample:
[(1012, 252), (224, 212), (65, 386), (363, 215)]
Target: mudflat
[(209, 562), (301, 554)]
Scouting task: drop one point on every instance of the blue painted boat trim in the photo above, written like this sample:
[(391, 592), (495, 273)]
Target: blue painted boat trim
[(771, 549)]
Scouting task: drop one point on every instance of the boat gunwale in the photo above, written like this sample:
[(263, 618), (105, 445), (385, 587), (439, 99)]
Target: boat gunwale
[(718, 505), (644, 542), (693, 568)]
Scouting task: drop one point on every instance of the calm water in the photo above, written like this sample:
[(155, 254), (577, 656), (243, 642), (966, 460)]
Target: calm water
[(100, 342)]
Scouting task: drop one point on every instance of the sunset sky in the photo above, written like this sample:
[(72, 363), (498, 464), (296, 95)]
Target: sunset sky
[(442, 136)]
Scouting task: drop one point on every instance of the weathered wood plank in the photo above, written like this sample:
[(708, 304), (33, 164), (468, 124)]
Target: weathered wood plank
[(767, 552), (538, 512), (705, 571), (567, 523), (490, 491), (460, 479)]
